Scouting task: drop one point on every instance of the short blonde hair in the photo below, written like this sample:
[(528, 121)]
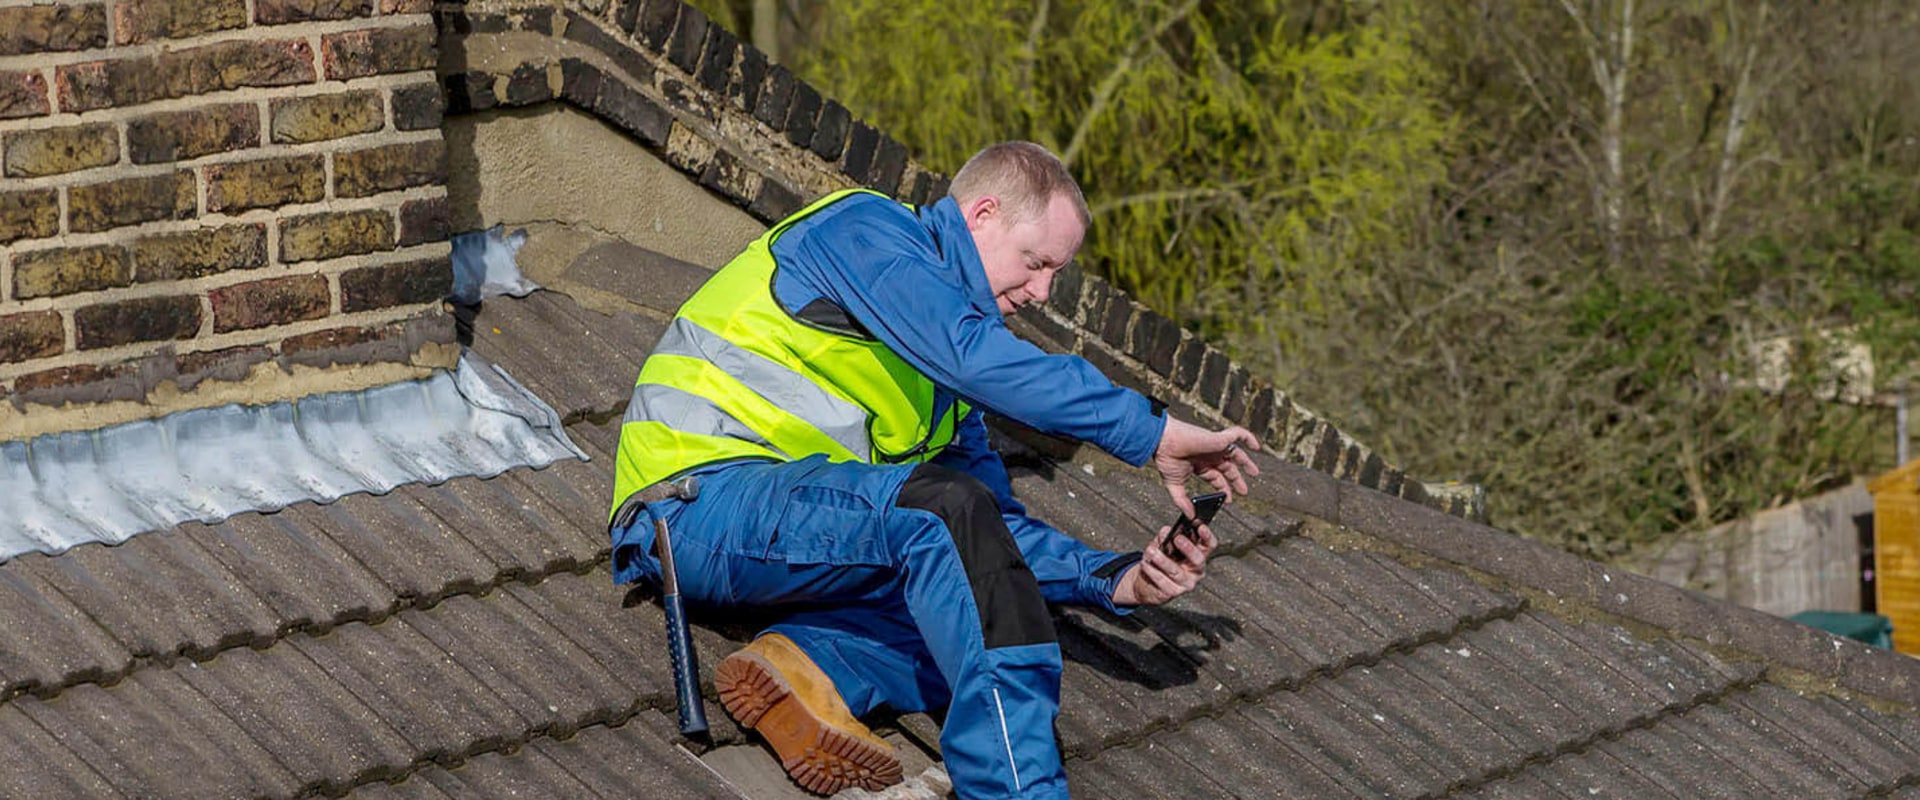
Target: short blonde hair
[(1023, 175)]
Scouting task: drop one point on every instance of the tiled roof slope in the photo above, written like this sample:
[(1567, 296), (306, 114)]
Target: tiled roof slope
[(753, 133), (464, 640)]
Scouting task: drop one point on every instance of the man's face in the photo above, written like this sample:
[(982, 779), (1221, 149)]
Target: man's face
[(1021, 256)]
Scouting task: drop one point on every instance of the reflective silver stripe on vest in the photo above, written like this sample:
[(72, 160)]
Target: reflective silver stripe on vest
[(687, 412), (841, 421)]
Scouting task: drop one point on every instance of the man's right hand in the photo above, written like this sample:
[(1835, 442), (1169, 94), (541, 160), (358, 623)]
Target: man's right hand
[(1218, 457)]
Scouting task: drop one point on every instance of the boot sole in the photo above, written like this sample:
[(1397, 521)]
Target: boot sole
[(819, 756)]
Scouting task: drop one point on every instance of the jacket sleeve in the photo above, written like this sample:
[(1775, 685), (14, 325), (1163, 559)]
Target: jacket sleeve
[(1069, 570), (888, 276)]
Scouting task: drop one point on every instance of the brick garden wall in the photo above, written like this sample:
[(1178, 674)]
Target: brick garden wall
[(234, 190)]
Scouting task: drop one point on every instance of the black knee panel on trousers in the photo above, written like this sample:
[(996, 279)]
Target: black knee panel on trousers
[(1012, 610)]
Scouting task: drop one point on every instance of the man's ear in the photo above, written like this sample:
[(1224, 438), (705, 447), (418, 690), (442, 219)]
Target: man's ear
[(979, 210)]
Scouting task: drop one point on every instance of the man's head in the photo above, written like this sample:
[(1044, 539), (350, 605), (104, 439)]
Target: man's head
[(1027, 218)]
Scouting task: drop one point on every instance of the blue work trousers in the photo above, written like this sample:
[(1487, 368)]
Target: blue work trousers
[(902, 583)]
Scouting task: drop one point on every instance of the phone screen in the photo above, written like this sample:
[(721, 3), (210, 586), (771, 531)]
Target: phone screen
[(1204, 506)]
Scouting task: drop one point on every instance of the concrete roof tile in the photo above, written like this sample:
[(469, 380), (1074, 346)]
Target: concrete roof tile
[(1424, 716), (586, 609), (1323, 718), (159, 594), (417, 689), (1598, 774), (1523, 786), (1237, 753), (51, 641), (514, 536), (526, 661), (304, 577), (1839, 734), (322, 729), (36, 764), (634, 760), (581, 362), (408, 548)]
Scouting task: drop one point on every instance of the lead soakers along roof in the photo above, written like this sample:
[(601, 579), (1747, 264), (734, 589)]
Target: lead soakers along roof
[(208, 464)]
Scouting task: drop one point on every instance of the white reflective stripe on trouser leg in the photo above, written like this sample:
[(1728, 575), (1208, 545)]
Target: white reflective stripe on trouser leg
[(1006, 738)]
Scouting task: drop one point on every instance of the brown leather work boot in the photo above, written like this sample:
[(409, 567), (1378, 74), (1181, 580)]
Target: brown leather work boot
[(772, 687)]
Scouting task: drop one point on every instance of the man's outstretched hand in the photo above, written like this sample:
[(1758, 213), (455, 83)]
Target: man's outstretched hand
[(1218, 457), (1158, 577)]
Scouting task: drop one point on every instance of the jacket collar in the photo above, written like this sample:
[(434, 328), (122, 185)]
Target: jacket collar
[(955, 243)]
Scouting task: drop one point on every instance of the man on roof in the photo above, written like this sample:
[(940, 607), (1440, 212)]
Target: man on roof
[(826, 391)]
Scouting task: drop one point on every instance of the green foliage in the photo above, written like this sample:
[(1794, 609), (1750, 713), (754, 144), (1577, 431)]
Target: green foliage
[(1238, 172)]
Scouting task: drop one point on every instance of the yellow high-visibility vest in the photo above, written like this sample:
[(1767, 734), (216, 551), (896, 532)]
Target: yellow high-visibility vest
[(737, 377)]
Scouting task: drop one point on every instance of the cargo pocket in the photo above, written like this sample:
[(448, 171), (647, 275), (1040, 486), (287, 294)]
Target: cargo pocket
[(826, 525)]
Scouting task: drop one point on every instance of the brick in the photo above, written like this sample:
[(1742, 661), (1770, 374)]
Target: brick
[(579, 82), (528, 85), (1187, 363), (1155, 343), (53, 151), (230, 364), (1067, 285), (357, 54), (774, 97), (716, 63), (803, 110), (275, 301), (180, 135), (391, 7), (627, 16), (390, 285), (47, 28), (888, 165), (687, 98), (589, 33), (1213, 377), (633, 112), (776, 202), (67, 270), (731, 178), (689, 36), (30, 214), (419, 107), (689, 151), (148, 319), (1234, 404), (922, 191), (82, 383), (1117, 320), (179, 73), (396, 166), (470, 91), (538, 19), (656, 24), (136, 21), (830, 132), (424, 221), (751, 77), (297, 120), (23, 94), (277, 12), (266, 183), (196, 253), (335, 234), (863, 142), (129, 201), (1261, 418), (35, 334)]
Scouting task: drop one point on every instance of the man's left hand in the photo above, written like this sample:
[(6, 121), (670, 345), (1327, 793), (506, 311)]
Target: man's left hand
[(1158, 578)]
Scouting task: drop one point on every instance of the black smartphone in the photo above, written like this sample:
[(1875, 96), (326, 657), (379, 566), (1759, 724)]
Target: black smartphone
[(1204, 507)]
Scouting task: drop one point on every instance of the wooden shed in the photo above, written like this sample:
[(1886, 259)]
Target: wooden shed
[(1896, 560)]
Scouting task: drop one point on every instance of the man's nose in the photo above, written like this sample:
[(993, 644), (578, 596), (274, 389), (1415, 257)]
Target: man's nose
[(1042, 288)]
